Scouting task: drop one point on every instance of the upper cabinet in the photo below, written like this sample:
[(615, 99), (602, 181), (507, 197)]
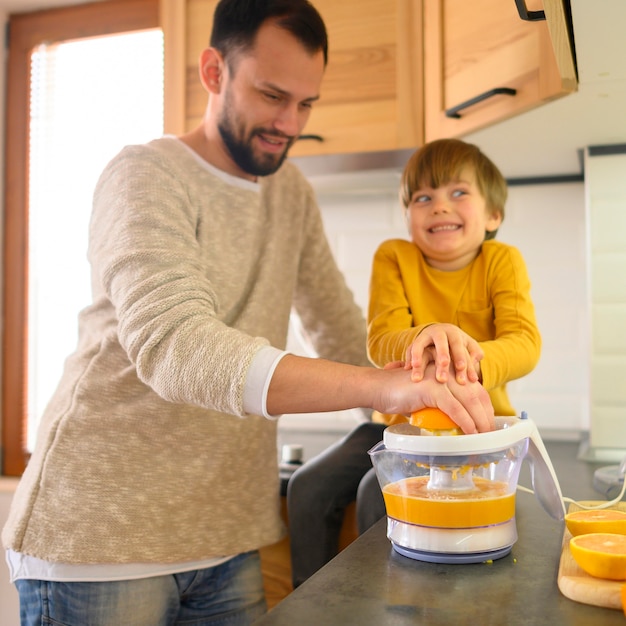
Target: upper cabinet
[(488, 60), (399, 71), (371, 95)]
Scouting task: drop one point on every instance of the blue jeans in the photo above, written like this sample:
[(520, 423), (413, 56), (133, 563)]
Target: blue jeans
[(230, 594)]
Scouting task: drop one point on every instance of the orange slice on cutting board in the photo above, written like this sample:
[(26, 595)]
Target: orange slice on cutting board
[(596, 521), (435, 421), (602, 555)]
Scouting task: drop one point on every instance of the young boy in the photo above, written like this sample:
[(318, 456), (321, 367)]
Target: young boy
[(450, 293), (453, 272)]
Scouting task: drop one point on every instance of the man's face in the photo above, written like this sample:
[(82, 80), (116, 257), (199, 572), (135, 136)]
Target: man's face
[(239, 141), (267, 100)]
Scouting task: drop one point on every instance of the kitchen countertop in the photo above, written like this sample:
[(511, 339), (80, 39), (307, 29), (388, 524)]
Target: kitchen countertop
[(369, 583)]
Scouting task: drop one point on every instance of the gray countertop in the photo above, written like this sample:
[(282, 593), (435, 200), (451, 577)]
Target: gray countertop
[(369, 583)]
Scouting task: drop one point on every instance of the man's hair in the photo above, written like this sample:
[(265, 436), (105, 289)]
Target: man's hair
[(237, 22), (441, 161)]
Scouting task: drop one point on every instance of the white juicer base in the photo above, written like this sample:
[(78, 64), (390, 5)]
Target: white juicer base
[(453, 541)]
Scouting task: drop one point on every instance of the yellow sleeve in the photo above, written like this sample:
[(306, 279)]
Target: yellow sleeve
[(390, 323), (514, 349)]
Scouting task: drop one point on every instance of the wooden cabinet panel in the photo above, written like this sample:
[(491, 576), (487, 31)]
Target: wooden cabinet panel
[(197, 32), (371, 95), (472, 48)]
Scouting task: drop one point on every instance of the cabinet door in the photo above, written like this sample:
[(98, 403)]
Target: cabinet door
[(371, 96), (483, 54)]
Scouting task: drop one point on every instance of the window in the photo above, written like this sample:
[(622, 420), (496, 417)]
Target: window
[(81, 84)]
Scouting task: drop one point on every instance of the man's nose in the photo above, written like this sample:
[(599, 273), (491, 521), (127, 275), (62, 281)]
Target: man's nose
[(291, 120)]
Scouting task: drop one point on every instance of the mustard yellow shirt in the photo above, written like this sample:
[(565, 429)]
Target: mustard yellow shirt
[(489, 299)]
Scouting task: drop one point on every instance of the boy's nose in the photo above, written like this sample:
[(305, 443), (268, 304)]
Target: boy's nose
[(440, 206)]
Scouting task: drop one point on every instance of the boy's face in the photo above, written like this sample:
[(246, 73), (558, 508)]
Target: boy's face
[(448, 224)]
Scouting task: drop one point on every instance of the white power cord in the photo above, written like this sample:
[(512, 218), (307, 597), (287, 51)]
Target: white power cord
[(604, 505)]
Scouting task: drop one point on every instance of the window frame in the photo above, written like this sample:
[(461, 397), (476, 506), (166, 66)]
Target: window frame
[(25, 32)]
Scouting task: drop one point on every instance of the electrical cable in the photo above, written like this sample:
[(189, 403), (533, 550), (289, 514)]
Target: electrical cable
[(588, 507)]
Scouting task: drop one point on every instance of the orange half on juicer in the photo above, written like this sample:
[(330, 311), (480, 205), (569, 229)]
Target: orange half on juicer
[(434, 421)]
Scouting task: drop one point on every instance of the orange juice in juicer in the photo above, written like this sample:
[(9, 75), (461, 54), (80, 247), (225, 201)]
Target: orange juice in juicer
[(450, 498)]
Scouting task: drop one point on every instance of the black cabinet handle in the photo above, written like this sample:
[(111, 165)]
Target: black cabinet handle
[(311, 137), (529, 16), (454, 111)]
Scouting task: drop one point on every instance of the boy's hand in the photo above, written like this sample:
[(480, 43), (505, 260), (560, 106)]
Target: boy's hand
[(450, 348)]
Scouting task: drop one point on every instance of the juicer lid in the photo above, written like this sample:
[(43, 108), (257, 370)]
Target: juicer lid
[(508, 432)]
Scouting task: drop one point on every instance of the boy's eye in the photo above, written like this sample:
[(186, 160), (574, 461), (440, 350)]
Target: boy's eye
[(458, 192), (418, 199)]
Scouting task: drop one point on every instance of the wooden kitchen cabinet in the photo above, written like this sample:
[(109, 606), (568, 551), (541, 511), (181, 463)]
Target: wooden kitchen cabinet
[(371, 96), (482, 47)]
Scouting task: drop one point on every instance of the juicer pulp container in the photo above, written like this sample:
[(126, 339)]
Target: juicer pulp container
[(452, 498)]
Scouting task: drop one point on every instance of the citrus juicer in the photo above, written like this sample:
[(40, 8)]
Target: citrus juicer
[(451, 499)]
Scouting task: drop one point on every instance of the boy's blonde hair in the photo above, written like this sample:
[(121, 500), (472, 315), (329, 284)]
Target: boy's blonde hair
[(441, 161)]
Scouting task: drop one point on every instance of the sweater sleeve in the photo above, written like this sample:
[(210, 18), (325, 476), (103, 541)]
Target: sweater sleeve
[(390, 322), (495, 308), (515, 348), (145, 259)]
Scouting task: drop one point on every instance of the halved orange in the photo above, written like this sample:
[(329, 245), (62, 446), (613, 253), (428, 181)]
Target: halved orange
[(431, 418), (596, 521), (623, 593), (602, 555)]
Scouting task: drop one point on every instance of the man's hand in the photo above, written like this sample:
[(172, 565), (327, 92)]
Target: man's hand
[(467, 404)]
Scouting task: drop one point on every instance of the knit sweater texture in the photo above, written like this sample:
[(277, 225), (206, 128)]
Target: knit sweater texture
[(144, 453), (489, 299)]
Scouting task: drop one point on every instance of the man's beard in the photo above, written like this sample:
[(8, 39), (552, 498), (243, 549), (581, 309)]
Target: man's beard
[(241, 150)]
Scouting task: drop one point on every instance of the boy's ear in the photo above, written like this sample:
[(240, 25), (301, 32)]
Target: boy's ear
[(493, 221)]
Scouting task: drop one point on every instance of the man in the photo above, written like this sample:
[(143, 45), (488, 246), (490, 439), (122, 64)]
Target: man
[(154, 479)]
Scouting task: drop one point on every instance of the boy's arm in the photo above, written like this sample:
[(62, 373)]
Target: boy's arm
[(392, 337), (390, 323), (516, 347)]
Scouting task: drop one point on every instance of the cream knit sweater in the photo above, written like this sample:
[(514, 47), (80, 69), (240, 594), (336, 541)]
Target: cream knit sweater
[(144, 454)]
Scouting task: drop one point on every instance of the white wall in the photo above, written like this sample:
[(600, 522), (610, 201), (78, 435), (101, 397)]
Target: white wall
[(606, 199)]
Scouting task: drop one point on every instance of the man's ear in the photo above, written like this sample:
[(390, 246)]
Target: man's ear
[(211, 69)]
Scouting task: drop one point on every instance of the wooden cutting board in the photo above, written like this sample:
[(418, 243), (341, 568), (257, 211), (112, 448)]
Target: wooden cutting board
[(580, 586)]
